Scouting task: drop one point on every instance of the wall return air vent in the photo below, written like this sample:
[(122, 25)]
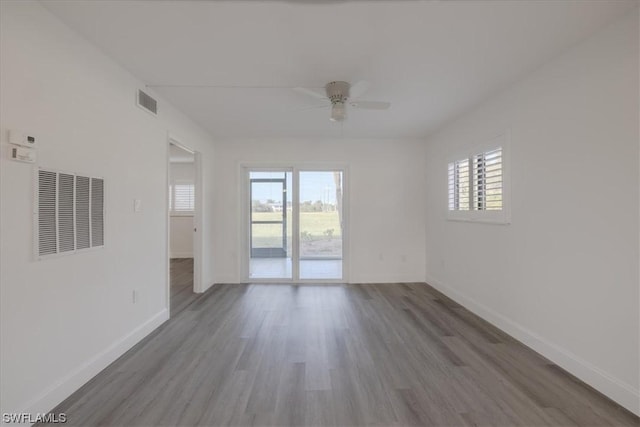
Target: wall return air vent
[(147, 103), (69, 214)]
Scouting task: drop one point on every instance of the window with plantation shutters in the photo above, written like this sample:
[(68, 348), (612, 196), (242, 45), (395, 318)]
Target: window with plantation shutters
[(459, 185), (487, 180), (182, 197), (477, 184), (70, 213)]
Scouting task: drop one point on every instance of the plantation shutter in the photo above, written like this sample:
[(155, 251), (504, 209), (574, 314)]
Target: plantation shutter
[(459, 185), (183, 197), (476, 183), (488, 180)]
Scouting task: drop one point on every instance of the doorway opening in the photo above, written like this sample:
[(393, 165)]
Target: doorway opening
[(182, 227), (296, 224)]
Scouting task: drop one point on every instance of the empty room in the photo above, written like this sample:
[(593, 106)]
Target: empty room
[(320, 213)]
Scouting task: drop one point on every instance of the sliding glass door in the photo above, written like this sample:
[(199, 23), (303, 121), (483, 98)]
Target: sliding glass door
[(270, 225), (321, 225), (295, 224)]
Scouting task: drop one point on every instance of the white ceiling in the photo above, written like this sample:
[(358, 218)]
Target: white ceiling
[(431, 59)]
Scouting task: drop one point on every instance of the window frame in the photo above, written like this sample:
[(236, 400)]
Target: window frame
[(172, 197), (501, 217)]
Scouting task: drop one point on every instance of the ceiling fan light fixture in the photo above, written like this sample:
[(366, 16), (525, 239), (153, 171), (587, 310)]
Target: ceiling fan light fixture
[(338, 112), (338, 95)]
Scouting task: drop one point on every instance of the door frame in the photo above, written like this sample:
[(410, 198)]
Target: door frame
[(295, 168), (197, 217)]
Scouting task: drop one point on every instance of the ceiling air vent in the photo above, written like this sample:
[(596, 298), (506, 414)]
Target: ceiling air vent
[(147, 102)]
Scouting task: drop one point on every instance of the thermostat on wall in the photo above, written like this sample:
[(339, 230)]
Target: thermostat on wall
[(23, 154), (25, 139)]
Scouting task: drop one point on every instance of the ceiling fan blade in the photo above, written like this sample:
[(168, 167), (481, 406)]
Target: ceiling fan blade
[(311, 92), (370, 105), (313, 107), (359, 89)]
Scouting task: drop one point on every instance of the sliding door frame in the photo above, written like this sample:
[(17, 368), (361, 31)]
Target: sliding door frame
[(245, 215)]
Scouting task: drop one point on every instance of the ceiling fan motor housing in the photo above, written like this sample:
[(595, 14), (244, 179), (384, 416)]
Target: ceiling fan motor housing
[(337, 92)]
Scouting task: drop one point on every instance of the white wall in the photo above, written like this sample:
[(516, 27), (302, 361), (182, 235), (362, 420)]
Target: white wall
[(563, 277), (567, 276), (181, 225), (385, 184), (65, 319)]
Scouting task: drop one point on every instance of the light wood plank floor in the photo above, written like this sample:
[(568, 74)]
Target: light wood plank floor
[(344, 355)]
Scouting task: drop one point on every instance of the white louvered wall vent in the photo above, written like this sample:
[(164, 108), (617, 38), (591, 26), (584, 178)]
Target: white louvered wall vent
[(69, 213), (147, 103)]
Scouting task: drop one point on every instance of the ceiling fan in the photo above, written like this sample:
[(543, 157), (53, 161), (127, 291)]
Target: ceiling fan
[(337, 95)]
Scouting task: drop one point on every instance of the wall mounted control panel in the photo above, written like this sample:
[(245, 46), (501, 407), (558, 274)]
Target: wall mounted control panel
[(23, 154), (24, 139), (22, 146)]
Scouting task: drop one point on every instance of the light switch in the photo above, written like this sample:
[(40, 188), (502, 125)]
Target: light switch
[(137, 205)]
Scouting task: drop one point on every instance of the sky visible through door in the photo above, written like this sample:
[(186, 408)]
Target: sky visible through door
[(314, 186)]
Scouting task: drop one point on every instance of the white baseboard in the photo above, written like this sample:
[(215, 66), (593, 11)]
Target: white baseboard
[(206, 288), (181, 255), (227, 280), (616, 389), (364, 280), (56, 393)]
